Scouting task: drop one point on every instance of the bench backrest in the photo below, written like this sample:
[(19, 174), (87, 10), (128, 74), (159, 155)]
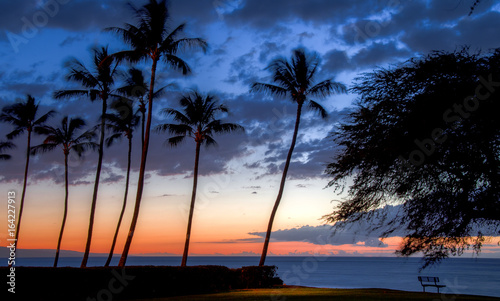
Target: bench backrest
[(428, 279)]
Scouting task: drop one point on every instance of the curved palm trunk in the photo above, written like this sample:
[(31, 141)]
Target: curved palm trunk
[(65, 208), (96, 185), (282, 186), (140, 184), (110, 256), (191, 209), (21, 204)]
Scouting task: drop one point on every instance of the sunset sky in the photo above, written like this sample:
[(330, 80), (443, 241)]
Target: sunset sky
[(239, 178)]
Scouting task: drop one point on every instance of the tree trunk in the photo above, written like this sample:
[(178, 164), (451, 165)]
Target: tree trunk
[(143, 120), (21, 204), (110, 256), (96, 185), (191, 209), (65, 209), (140, 184), (282, 186)]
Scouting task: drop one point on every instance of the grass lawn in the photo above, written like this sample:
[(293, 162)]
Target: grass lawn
[(308, 293)]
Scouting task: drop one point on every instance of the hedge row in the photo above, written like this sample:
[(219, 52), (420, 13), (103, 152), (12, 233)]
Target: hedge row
[(135, 282)]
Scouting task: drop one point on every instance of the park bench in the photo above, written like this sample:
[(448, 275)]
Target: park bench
[(430, 281)]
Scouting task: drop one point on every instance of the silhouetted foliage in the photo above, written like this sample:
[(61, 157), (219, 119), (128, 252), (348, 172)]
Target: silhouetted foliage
[(4, 145), (425, 135)]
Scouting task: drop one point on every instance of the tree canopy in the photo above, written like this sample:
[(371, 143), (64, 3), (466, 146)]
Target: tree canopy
[(425, 135)]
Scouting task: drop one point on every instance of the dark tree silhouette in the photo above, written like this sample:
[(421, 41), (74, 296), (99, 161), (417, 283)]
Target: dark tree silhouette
[(198, 121), (152, 39), (65, 138), (122, 124), (425, 135), (96, 83), (3, 146), (23, 116), (136, 88), (295, 79)]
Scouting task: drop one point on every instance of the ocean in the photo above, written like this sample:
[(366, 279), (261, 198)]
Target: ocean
[(472, 276)]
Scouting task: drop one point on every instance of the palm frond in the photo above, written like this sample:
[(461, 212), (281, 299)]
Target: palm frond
[(268, 89), (226, 127), (43, 148), (177, 63), (175, 129), (175, 141), (70, 93), (326, 88), (318, 108), (16, 132), (209, 141), (44, 118), (4, 146)]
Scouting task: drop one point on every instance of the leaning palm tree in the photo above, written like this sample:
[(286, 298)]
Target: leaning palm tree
[(5, 145), (96, 83), (65, 137), (198, 121), (23, 116), (152, 39), (122, 124), (296, 80)]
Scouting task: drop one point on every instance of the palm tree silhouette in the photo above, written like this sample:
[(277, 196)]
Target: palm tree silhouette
[(198, 122), (296, 80), (122, 123), (3, 146), (137, 88), (96, 83), (65, 137), (23, 116), (152, 39)]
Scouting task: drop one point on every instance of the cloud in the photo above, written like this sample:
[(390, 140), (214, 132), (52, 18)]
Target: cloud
[(322, 235), (77, 15)]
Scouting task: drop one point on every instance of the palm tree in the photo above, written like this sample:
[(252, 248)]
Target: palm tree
[(64, 137), (137, 88), (96, 83), (198, 122), (296, 80), (23, 116), (151, 38), (5, 145), (122, 123)]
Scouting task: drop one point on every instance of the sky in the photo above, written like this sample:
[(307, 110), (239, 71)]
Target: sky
[(240, 177)]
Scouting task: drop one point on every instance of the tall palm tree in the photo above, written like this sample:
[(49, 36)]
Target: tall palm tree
[(65, 137), (96, 83), (152, 39), (5, 145), (23, 116), (296, 80), (122, 123), (198, 121)]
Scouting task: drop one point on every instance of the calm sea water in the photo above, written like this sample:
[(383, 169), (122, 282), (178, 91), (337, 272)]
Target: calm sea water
[(471, 276)]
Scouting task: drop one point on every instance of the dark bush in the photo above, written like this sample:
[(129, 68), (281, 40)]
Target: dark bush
[(135, 282), (259, 277)]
